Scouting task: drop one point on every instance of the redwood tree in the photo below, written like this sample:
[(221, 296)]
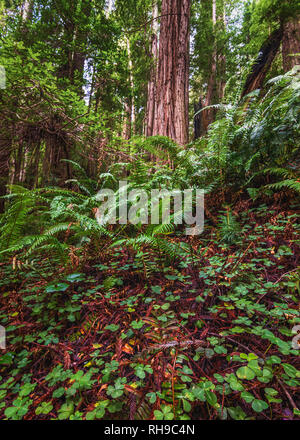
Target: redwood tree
[(172, 77), (291, 43)]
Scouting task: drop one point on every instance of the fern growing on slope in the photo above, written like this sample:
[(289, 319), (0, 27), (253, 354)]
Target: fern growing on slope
[(45, 218), (259, 132)]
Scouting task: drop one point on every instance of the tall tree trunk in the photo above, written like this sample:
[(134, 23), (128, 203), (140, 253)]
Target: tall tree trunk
[(291, 43), (208, 115), (172, 94), (222, 60), (216, 81), (5, 154), (152, 80), (198, 130), (127, 120), (132, 100)]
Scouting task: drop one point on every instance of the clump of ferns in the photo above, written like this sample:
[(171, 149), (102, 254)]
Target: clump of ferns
[(61, 217), (158, 146), (274, 123), (289, 180), (261, 128), (158, 162)]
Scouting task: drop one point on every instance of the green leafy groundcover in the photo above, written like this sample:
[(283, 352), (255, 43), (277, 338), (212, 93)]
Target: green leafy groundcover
[(208, 336)]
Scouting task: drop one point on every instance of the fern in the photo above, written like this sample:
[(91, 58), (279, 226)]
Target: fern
[(292, 184), (229, 228), (54, 213)]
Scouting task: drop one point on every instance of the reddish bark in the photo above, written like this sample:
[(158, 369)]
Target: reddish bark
[(291, 44), (172, 92)]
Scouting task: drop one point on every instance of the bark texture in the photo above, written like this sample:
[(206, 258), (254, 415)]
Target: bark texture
[(291, 44), (172, 92)]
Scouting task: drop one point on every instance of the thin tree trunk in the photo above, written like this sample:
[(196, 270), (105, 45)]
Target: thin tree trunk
[(5, 154), (208, 115), (172, 94), (152, 82), (198, 120), (132, 103), (127, 120), (222, 61)]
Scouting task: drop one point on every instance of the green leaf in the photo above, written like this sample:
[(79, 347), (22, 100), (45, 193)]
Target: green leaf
[(75, 277), (156, 289), (59, 287), (245, 373), (10, 411), (112, 327), (152, 397), (186, 406), (248, 397), (187, 370), (211, 398), (58, 393), (259, 405), (44, 408), (236, 413), (219, 349), (65, 411), (290, 370), (158, 415), (137, 324)]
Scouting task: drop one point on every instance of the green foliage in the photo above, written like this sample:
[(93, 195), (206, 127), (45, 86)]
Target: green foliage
[(30, 210), (255, 137), (229, 227), (139, 321)]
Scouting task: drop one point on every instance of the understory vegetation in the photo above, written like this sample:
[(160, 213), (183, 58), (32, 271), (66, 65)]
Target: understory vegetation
[(141, 321)]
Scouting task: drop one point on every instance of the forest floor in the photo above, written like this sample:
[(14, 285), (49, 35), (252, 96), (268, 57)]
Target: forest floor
[(205, 337)]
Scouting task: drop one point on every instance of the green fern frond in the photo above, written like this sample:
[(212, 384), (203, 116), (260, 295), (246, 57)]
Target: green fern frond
[(292, 184)]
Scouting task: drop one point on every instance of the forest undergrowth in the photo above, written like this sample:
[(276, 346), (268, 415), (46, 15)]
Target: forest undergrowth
[(204, 337)]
